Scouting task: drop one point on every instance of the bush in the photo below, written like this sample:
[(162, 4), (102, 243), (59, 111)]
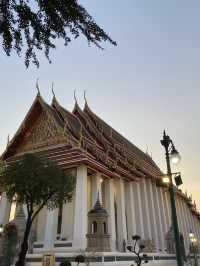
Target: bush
[(65, 263), (80, 259)]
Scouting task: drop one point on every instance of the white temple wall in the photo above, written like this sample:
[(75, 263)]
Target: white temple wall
[(41, 224), (68, 220), (5, 207), (50, 228), (90, 202), (152, 212), (178, 213), (130, 210), (121, 213), (80, 213), (165, 229), (145, 210), (166, 207), (184, 222), (138, 209), (110, 207), (159, 218)]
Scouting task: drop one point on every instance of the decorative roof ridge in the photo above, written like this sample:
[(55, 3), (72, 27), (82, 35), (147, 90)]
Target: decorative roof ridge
[(58, 105), (148, 158)]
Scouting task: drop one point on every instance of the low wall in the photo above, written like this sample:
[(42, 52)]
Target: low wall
[(110, 259)]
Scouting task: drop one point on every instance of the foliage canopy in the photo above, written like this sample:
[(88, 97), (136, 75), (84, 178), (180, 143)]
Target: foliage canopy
[(38, 23), (36, 182)]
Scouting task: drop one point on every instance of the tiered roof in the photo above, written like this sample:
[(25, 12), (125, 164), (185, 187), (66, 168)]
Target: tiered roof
[(94, 138), (84, 138)]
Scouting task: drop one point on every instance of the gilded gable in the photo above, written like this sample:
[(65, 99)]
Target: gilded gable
[(44, 132)]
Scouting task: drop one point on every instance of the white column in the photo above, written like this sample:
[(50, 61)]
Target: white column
[(130, 210), (180, 221), (166, 204), (140, 221), (163, 211), (194, 225), (96, 188), (153, 213), (159, 219), (146, 210), (80, 215), (185, 229), (121, 214), (110, 207), (50, 228), (186, 215), (4, 209)]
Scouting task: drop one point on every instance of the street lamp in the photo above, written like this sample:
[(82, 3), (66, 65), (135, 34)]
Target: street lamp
[(1, 229), (173, 156), (193, 242)]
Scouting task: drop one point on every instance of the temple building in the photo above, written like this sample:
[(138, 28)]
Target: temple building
[(132, 197)]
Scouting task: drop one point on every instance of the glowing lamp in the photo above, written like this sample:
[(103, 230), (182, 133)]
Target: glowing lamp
[(166, 180), (1, 229), (175, 156)]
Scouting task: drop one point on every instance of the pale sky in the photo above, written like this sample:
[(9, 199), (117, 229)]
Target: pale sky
[(148, 83)]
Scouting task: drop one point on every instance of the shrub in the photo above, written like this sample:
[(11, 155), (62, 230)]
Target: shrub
[(65, 263)]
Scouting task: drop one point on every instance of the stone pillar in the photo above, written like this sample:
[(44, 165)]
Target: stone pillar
[(96, 187), (186, 215), (146, 211), (4, 209), (153, 214), (159, 219), (167, 207), (138, 210), (109, 205), (163, 211), (80, 214), (50, 228), (130, 210), (185, 224), (121, 214), (180, 220)]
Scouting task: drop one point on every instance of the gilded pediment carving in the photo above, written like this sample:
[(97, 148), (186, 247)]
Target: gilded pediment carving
[(44, 132)]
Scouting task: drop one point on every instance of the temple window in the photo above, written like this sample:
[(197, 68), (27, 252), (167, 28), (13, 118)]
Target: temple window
[(94, 227), (59, 225), (104, 228)]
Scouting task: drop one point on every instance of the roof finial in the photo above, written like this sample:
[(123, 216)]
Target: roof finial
[(8, 140), (75, 99), (85, 97), (37, 86), (52, 89)]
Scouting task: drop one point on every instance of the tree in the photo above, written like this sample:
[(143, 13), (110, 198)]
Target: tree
[(38, 23), (137, 249), (36, 182)]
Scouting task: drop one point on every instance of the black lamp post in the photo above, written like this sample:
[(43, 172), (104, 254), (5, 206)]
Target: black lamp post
[(173, 155)]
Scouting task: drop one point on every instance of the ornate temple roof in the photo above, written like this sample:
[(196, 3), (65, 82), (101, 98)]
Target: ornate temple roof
[(81, 137), (95, 139)]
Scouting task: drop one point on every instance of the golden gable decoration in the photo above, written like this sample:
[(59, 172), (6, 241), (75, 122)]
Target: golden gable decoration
[(44, 133)]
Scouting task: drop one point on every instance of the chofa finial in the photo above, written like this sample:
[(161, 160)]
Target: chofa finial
[(75, 99), (8, 140), (37, 86), (85, 96), (52, 89)]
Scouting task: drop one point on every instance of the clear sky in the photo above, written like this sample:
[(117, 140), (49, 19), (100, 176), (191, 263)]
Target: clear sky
[(148, 83)]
